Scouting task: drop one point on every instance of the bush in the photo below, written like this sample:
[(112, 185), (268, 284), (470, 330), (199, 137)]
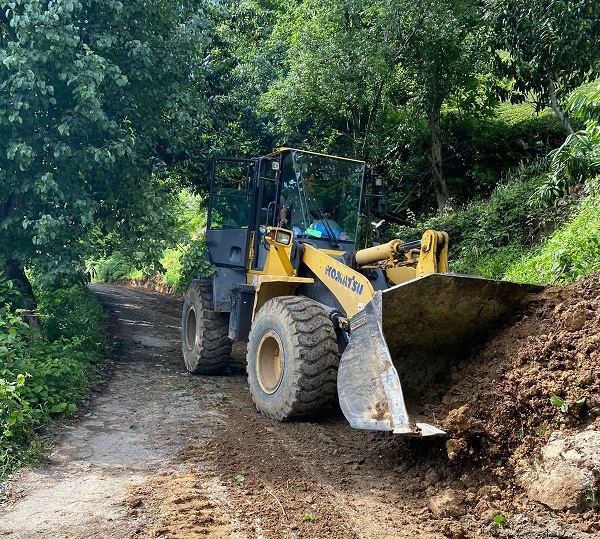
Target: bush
[(180, 262), (194, 263), (48, 375), (113, 268), (578, 158), (487, 235), (477, 154)]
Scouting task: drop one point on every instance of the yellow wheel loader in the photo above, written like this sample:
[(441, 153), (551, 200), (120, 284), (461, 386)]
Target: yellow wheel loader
[(378, 325)]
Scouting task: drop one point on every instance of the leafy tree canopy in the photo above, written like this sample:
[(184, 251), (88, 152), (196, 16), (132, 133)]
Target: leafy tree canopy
[(96, 98), (553, 47), (356, 71)]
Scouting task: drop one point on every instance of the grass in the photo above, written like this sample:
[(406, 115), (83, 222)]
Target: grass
[(571, 252)]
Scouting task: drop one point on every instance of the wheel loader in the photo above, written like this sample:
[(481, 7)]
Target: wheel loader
[(321, 316)]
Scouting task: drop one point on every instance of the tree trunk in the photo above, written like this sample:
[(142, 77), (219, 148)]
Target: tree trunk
[(26, 299), (435, 158), (564, 119), (371, 117)]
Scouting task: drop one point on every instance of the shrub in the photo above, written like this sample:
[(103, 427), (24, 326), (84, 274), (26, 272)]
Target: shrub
[(181, 256), (72, 312), (194, 263), (49, 375), (478, 153), (578, 158), (569, 253), (487, 235), (113, 268)]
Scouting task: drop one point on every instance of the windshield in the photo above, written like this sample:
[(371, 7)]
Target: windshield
[(322, 195)]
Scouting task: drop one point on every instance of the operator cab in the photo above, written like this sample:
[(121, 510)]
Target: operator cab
[(316, 196), (320, 197)]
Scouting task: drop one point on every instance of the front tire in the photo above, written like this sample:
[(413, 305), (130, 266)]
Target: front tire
[(204, 333), (292, 358)]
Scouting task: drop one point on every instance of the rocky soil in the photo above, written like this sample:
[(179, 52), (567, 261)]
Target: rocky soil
[(160, 453)]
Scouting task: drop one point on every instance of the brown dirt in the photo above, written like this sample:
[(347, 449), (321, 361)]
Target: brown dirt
[(165, 454)]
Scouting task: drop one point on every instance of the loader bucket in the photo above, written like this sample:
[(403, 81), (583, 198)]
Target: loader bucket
[(407, 339)]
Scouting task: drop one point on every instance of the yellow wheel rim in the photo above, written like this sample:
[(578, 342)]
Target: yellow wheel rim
[(269, 362), (190, 329)]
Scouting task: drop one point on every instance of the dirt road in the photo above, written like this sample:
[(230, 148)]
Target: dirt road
[(160, 453)]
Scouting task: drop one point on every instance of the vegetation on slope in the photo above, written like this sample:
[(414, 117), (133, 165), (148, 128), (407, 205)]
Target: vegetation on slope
[(569, 253)]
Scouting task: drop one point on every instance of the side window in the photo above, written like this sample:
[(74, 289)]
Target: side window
[(268, 200), (231, 196)]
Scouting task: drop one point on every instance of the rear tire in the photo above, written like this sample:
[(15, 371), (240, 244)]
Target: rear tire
[(292, 358), (204, 333)]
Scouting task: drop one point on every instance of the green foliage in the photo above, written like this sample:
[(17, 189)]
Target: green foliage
[(194, 263), (552, 47), (178, 264), (500, 520), (558, 402), (73, 313), (182, 262), (578, 158), (171, 261), (487, 235), (491, 265), (13, 409), (477, 154), (569, 412), (97, 99), (47, 376), (573, 250), (113, 268)]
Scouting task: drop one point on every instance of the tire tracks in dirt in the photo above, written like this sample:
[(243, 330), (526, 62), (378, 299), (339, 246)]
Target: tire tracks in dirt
[(146, 411)]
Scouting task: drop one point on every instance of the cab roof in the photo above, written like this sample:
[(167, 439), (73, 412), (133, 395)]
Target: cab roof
[(281, 150)]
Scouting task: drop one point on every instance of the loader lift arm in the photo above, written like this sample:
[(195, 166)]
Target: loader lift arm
[(369, 387)]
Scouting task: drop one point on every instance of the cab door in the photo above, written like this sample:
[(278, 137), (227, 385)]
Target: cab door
[(230, 212)]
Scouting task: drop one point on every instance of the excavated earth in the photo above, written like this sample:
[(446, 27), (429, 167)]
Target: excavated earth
[(160, 453)]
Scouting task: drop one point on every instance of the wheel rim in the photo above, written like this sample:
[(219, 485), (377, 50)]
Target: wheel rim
[(269, 362), (190, 329)]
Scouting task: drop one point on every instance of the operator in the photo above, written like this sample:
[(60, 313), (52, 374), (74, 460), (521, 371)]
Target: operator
[(325, 224), (284, 215)]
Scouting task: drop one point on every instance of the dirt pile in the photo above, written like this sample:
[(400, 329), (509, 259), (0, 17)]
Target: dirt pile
[(529, 394), (537, 376)]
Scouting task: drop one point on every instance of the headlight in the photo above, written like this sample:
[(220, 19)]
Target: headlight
[(283, 237)]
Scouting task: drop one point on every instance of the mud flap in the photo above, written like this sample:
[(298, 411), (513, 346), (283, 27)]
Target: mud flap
[(407, 339)]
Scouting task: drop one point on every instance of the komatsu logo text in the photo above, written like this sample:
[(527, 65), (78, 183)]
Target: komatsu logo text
[(349, 282)]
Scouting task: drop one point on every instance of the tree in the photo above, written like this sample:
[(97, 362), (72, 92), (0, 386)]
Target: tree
[(97, 100), (553, 48), (450, 57), (578, 158), (339, 64), (352, 65)]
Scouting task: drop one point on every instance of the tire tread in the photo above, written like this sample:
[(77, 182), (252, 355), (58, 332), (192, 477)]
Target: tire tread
[(315, 357), (212, 350)]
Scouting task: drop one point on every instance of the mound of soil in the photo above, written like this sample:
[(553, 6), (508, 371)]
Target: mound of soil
[(537, 375)]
